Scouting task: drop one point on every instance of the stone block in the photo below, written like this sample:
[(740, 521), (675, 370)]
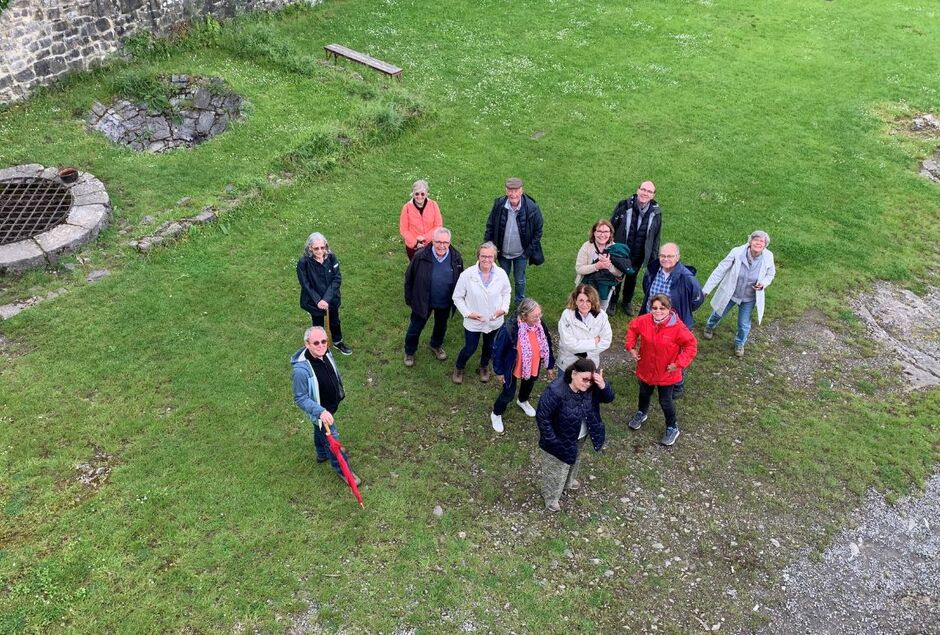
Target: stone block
[(88, 216), (201, 98), (206, 119), (50, 173), (88, 187), (93, 198), (27, 170), (64, 237), (159, 129), (20, 256)]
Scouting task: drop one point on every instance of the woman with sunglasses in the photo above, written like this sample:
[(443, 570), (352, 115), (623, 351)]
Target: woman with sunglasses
[(319, 277), (420, 216), (662, 346)]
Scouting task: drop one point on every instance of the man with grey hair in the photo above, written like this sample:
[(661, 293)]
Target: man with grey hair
[(674, 279), (429, 286), (741, 279), (318, 391), (515, 227)]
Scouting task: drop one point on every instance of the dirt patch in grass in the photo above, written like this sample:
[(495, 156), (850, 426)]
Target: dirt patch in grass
[(818, 353), (909, 326), (882, 575), (96, 470)]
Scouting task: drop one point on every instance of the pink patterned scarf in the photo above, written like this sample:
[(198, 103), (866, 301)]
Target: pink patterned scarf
[(525, 348)]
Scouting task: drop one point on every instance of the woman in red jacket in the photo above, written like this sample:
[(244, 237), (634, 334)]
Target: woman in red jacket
[(420, 216), (662, 346)]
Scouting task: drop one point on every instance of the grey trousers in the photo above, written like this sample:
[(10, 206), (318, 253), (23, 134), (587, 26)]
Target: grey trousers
[(557, 475)]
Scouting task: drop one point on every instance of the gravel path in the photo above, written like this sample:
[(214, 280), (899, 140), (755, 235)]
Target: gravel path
[(882, 576)]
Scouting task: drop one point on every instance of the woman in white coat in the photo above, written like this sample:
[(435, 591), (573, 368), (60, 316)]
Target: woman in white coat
[(583, 330), (482, 297), (741, 279)]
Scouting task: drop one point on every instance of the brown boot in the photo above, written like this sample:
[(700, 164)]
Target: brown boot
[(484, 372), (457, 376)]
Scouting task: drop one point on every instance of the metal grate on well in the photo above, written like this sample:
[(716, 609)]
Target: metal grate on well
[(30, 206)]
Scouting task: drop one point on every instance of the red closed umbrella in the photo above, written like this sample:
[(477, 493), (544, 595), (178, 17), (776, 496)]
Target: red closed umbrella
[(337, 451)]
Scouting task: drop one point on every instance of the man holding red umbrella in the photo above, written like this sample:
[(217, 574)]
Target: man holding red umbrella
[(318, 390)]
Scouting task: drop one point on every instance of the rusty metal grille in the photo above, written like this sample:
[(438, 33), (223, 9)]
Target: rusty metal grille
[(30, 206)]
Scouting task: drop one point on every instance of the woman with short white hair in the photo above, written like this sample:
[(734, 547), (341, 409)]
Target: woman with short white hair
[(741, 279)]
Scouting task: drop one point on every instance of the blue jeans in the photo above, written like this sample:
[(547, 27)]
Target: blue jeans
[(471, 340), (744, 320), (517, 265), (323, 447)]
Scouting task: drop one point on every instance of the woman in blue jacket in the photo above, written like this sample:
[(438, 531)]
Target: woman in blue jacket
[(522, 348), (569, 411)]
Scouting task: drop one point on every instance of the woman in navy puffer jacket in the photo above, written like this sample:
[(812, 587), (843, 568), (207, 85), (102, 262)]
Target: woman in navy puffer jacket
[(569, 411)]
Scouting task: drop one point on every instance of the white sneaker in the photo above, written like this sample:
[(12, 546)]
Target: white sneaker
[(497, 421), (526, 407)]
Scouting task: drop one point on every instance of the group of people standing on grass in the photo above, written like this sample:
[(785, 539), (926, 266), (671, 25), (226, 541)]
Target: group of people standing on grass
[(519, 345)]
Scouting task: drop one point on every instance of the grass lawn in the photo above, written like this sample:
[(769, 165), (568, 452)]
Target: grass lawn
[(173, 371)]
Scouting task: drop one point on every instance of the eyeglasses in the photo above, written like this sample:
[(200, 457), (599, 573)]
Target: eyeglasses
[(482, 257), (441, 242), (317, 342), (667, 256), (647, 190), (420, 194), (659, 308), (601, 231), (318, 249)]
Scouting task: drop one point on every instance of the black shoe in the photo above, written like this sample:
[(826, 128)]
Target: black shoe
[(628, 309), (612, 309), (323, 460), (342, 348)]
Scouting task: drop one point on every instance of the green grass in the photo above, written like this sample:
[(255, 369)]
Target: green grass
[(215, 517)]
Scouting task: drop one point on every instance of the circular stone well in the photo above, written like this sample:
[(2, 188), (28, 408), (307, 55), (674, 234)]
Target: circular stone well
[(200, 108), (42, 218)]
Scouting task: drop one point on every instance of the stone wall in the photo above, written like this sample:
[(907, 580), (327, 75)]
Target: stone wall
[(42, 40)]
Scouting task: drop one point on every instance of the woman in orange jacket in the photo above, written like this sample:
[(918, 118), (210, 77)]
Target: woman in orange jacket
[(420, 216), (662, 346)]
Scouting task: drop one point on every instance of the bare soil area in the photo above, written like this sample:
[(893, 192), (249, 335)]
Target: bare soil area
[(882, 575)]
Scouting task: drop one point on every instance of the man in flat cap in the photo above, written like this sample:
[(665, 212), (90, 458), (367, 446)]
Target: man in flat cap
[(515, 227)]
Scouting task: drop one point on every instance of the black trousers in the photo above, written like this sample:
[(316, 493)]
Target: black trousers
[(625, 289), (665, 402), (509, 391), (417, 325), (336, 330)]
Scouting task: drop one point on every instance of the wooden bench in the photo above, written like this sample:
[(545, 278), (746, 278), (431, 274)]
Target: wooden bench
[(338, 50)]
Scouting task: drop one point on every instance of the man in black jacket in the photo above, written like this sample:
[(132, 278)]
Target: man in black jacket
[(429, 286), (515, 227), (637, 223)]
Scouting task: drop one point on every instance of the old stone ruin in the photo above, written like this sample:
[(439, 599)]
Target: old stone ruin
[(200, 108)]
